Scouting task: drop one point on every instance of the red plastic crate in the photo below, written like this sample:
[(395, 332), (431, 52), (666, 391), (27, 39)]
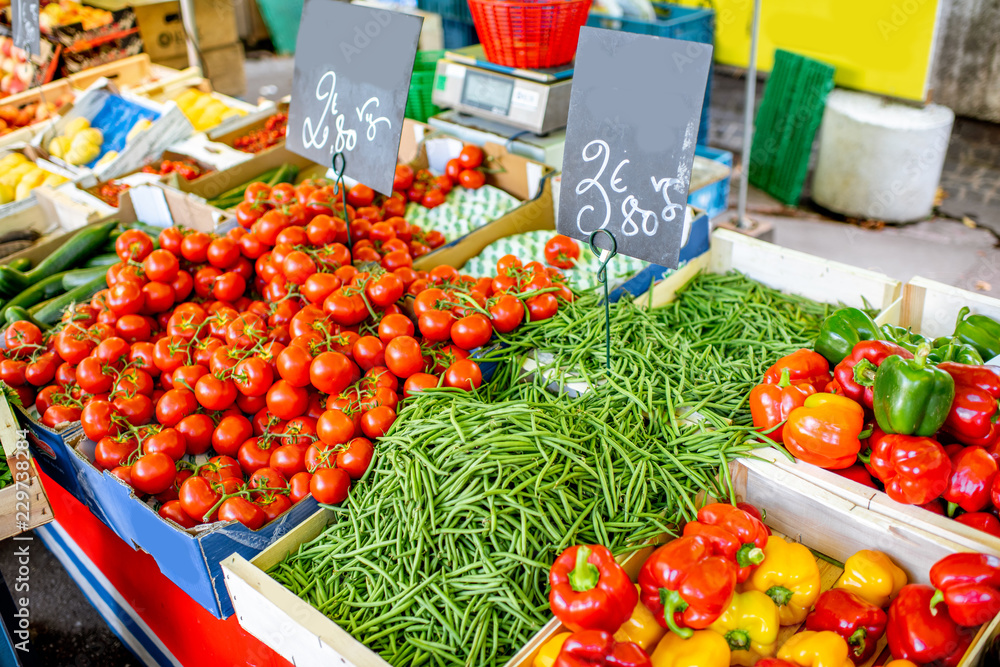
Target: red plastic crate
[(529, 34)]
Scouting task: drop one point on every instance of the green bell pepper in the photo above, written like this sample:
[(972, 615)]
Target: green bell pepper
[(905, 338), (979, 331), (842, 330), (912, 397), (951, 349)]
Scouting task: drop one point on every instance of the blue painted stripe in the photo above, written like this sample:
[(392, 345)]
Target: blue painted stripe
[(116, 612)]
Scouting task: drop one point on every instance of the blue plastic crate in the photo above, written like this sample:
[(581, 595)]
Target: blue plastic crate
[(714, 198), (676, 22)]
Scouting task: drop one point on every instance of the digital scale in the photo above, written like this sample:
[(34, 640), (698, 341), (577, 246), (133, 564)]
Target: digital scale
[(535, 100)]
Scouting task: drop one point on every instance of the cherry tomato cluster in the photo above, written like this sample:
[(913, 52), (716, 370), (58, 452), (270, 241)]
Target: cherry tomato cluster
[(227, 377), (378, 231), (273, 133), (429, 190), (186, 169)]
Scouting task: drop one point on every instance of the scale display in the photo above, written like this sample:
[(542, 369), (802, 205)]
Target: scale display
[(491, 93)]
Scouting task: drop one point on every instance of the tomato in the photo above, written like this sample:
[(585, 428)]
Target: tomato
[(42, 371), (98, 420), (403, 356), (240, 509), (561, 251), (168, 441), (246, 331), (470, 157), (257, 192), (463, 374), (298, 486), (12, 371), (137, 409), (418, 382), (253, 376), (283, 193), (435, 325), (133, 244), (432, 198), (542, 307), (345, 310), (393, 326), (175, 405), (368, 351), (286, 401), (91, 376), (292, 236), (157, 297), (334, 427), (452, 169), (222, 253), (112, 452), (507, 313), (142, 356), (215, 393), (187, 376), (22, 338), (153, 473), (125, 298), (318, 286), (471, 331), (230, 434), (331, 372), (269, 226), (288, 460), (197, 498), (133, 380), (174, 511), (229, 286), (134, 328), (194, 247), (302, 430), (320, 455), (255, 453), (472, 179), (65, 374), (360, 195), (356, 457), (170, 240), (330, 486), (182, 285), (403, 178), (274, 505)]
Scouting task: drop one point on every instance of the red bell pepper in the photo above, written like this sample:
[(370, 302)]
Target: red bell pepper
[(737, 534), (755, 513), (856, 373), (915, 470), (858, 473), (804, 367), (771, 403), (974, 411), (983, 521), (596, 648), (924, 634), (858, 621), (969, 584), (972, 473), (687, 584), (934, 506), (590, 590)]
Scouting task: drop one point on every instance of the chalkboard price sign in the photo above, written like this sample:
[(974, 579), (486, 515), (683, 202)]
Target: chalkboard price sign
[(633, 121), (352, 76), (27, 33)]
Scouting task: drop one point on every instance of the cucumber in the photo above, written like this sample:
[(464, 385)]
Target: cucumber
[(74, 251), (17, 314), (101, 260), (73, 279), (51, 311), (20, 264), (43, 290)]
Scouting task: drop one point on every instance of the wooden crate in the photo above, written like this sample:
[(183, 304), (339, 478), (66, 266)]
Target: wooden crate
[(23, 503), (794, 507), (931, 308)]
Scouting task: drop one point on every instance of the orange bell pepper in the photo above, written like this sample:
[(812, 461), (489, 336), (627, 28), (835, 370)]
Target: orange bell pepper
[(825, 431)]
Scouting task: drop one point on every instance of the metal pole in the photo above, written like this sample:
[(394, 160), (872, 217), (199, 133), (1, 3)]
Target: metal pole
[(191, 29), (743, 222)]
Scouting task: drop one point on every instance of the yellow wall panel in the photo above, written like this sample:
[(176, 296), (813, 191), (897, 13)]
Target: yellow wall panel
[(879, 46)]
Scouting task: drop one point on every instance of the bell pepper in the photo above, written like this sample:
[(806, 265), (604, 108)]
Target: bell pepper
[(974, 412), (934, 506), (804, 367), (597, 648), (858, 621), (816, 649), (979, 331), (590, 590), (789, 576), (736, 534), (703, 648), (912, 397), (914, 470), (969, 584), (750, 626), (550, 650), (825, 431), (905, 338), (858, 473), (770, 404), (972, 473), (687, 583), (983, 521), (953, 350), (856, 373), (872, 576), (754, 512), (842, 330), (833, 387), (641, 628), (924, 634)]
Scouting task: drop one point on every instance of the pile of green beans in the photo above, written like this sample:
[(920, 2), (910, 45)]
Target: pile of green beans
[(441, 553)]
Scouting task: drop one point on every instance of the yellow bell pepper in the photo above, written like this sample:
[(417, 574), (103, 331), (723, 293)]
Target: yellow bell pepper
[(871, 575), (816, 649), (703, 649), (641, 628), (789, 575), (550, 650), (750, 627)]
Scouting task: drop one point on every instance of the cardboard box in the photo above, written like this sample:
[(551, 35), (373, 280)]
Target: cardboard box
[(223, 65), (162, 29), (23, 503)]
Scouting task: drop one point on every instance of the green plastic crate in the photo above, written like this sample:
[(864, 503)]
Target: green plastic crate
[(418, 104)]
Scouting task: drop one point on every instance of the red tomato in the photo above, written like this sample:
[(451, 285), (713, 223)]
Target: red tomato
[(197, 431), (330, 486), (356, 457), (418, 382), (256, 193), (472, 179), (334, 427), (298, 486), (403, 356), (111, 452), (471, 331), (98, 419), (274, 505), (507, 313), (230, 434), (435, 325), (240, 509), (432, 198), (255, 453), (360, 195), (470, 157), (403, 178), (288, 460), (215, 393), (174, 511), (174, 405), (542, 307), (253, 376), (170, 240), (22, 338), (153, 473), (452, 169), (393, 326), (286, 401), (561, 251), (463, 374), (168, 441), (368, 351), (133, 244)]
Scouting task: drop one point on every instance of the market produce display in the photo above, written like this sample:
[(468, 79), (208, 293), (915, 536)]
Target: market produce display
[(272, 134), (916, 418), (233, 197), (19, 176), (79, 143), (204, 110), (485, 490), (68, 12)]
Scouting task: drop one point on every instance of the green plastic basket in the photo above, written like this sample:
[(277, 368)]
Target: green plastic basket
[(282, 18), (418, 104)]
